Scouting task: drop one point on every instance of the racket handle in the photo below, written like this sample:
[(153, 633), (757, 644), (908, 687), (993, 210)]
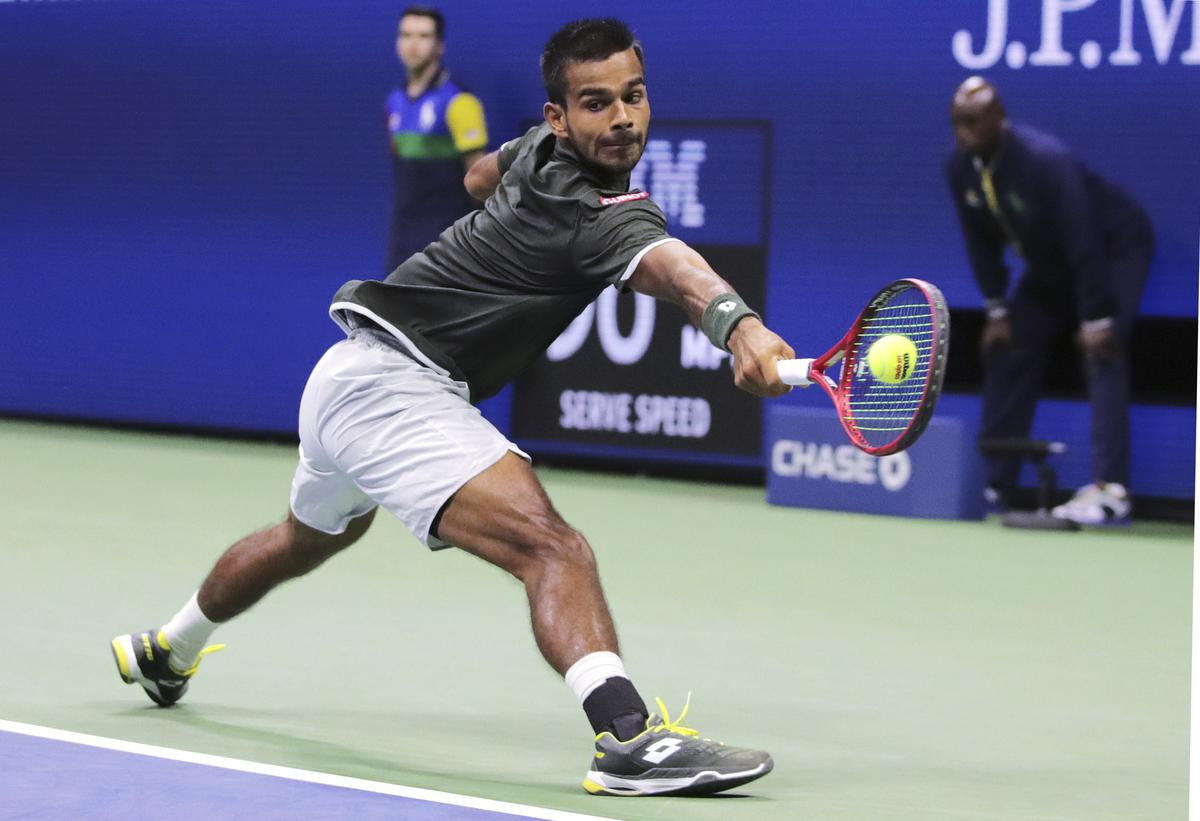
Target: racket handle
[(795, 372)]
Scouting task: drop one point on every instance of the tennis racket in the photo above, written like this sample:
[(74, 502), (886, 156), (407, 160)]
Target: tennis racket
[(883, 417)]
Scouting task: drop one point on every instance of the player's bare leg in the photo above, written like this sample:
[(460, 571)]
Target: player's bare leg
[(249, 569), (163, 661), (504, 516)]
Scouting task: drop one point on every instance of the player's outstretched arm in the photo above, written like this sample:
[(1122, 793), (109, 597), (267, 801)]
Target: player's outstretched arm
[(675, 273), (484, 176)]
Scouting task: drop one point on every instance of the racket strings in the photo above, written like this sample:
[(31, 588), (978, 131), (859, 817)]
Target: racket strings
[(878, 410)]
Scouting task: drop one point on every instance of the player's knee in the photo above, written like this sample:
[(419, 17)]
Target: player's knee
[(551, 540)]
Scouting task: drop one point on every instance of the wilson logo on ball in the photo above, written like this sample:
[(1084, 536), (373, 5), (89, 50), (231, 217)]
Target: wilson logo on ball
[(892, 358)]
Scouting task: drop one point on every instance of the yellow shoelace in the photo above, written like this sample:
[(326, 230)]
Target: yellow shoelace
[(676, 726), (161, 640), (212, 648)]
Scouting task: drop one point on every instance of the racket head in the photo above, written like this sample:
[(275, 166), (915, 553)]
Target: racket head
[(887, 417)]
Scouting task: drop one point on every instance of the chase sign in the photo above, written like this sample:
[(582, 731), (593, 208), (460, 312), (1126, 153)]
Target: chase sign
[(810, 464)]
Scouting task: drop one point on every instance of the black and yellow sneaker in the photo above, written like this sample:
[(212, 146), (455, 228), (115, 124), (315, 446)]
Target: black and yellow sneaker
[(145, 658), (670, 759)]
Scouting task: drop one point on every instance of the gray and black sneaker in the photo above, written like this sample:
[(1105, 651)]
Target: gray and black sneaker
[(144, 658), (670, 759)]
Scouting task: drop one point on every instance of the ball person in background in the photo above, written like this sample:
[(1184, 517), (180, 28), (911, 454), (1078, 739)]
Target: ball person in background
[(1086, 248), (436, 131), (386, 418)]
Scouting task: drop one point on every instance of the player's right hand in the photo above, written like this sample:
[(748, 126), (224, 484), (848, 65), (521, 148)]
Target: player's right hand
[(755, 350)]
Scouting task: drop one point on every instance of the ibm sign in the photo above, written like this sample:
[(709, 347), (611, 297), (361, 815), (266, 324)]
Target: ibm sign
[(673, 180), (811, 464)]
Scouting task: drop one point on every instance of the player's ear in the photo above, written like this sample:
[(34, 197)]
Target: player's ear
[(556, 115)]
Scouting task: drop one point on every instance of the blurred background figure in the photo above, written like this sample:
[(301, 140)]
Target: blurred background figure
[(1086, 249), (436, 129)]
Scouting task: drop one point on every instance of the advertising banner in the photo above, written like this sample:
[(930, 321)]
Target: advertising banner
[(811, 463)]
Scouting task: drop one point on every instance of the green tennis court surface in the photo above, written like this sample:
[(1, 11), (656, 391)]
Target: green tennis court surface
[(896, 669)]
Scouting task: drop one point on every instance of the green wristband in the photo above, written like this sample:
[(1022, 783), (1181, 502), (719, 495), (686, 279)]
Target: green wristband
[(720, 317)]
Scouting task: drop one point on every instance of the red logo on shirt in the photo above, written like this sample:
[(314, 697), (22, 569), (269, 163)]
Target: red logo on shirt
[(640, 195)]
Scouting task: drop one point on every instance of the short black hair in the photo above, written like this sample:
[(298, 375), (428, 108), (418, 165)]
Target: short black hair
[(439, 22), (582, 41)]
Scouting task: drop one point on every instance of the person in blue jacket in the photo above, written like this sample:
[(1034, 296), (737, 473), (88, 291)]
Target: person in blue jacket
[(436, 130), (1086, 247)]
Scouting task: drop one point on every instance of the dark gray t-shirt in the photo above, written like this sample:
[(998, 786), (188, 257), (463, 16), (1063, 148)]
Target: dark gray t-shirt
[(486, 298)]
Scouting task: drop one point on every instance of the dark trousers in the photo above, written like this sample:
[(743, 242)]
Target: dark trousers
[(1013, 373)]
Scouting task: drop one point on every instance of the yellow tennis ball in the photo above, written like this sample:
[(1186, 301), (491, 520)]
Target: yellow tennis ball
[(892, 358)]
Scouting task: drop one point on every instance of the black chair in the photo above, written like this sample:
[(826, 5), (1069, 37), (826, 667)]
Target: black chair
[(1037, 451)]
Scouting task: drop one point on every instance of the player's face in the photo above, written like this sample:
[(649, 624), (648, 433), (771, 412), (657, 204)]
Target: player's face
[(417, 44), (607, 111)]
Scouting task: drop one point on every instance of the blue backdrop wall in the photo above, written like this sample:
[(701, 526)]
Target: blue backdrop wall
[(184, 185)]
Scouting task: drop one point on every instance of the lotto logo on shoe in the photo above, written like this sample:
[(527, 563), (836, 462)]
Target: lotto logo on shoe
[(660, 750)]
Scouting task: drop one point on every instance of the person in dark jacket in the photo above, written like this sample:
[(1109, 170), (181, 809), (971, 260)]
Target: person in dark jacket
[(1086, 247)]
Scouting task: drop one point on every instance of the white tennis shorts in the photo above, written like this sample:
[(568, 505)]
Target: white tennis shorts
[(378, 428)]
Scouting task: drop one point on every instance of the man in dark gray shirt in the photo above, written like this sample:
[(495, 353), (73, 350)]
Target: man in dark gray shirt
[(503, 282), (386, 418)]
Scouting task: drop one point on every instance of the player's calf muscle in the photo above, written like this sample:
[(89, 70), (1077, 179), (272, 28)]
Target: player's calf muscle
[(256, 564)]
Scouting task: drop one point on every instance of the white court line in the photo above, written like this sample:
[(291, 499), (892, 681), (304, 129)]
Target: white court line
[(293, 774)]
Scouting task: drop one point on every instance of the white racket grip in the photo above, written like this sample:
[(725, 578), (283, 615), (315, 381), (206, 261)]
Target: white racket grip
[(795, 372)]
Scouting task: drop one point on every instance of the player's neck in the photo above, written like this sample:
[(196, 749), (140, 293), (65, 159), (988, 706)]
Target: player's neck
[(606, 177)]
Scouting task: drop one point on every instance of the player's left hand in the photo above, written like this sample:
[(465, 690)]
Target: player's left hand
[(755, 350), (1098, 343)]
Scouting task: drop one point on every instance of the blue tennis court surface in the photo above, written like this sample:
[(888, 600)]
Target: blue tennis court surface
[(47, 775)]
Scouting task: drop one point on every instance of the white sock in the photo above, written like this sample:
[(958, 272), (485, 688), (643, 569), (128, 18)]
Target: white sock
[(592, 670), (187, 633)]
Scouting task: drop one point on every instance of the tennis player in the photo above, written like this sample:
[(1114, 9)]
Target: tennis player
[(387, 419)]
